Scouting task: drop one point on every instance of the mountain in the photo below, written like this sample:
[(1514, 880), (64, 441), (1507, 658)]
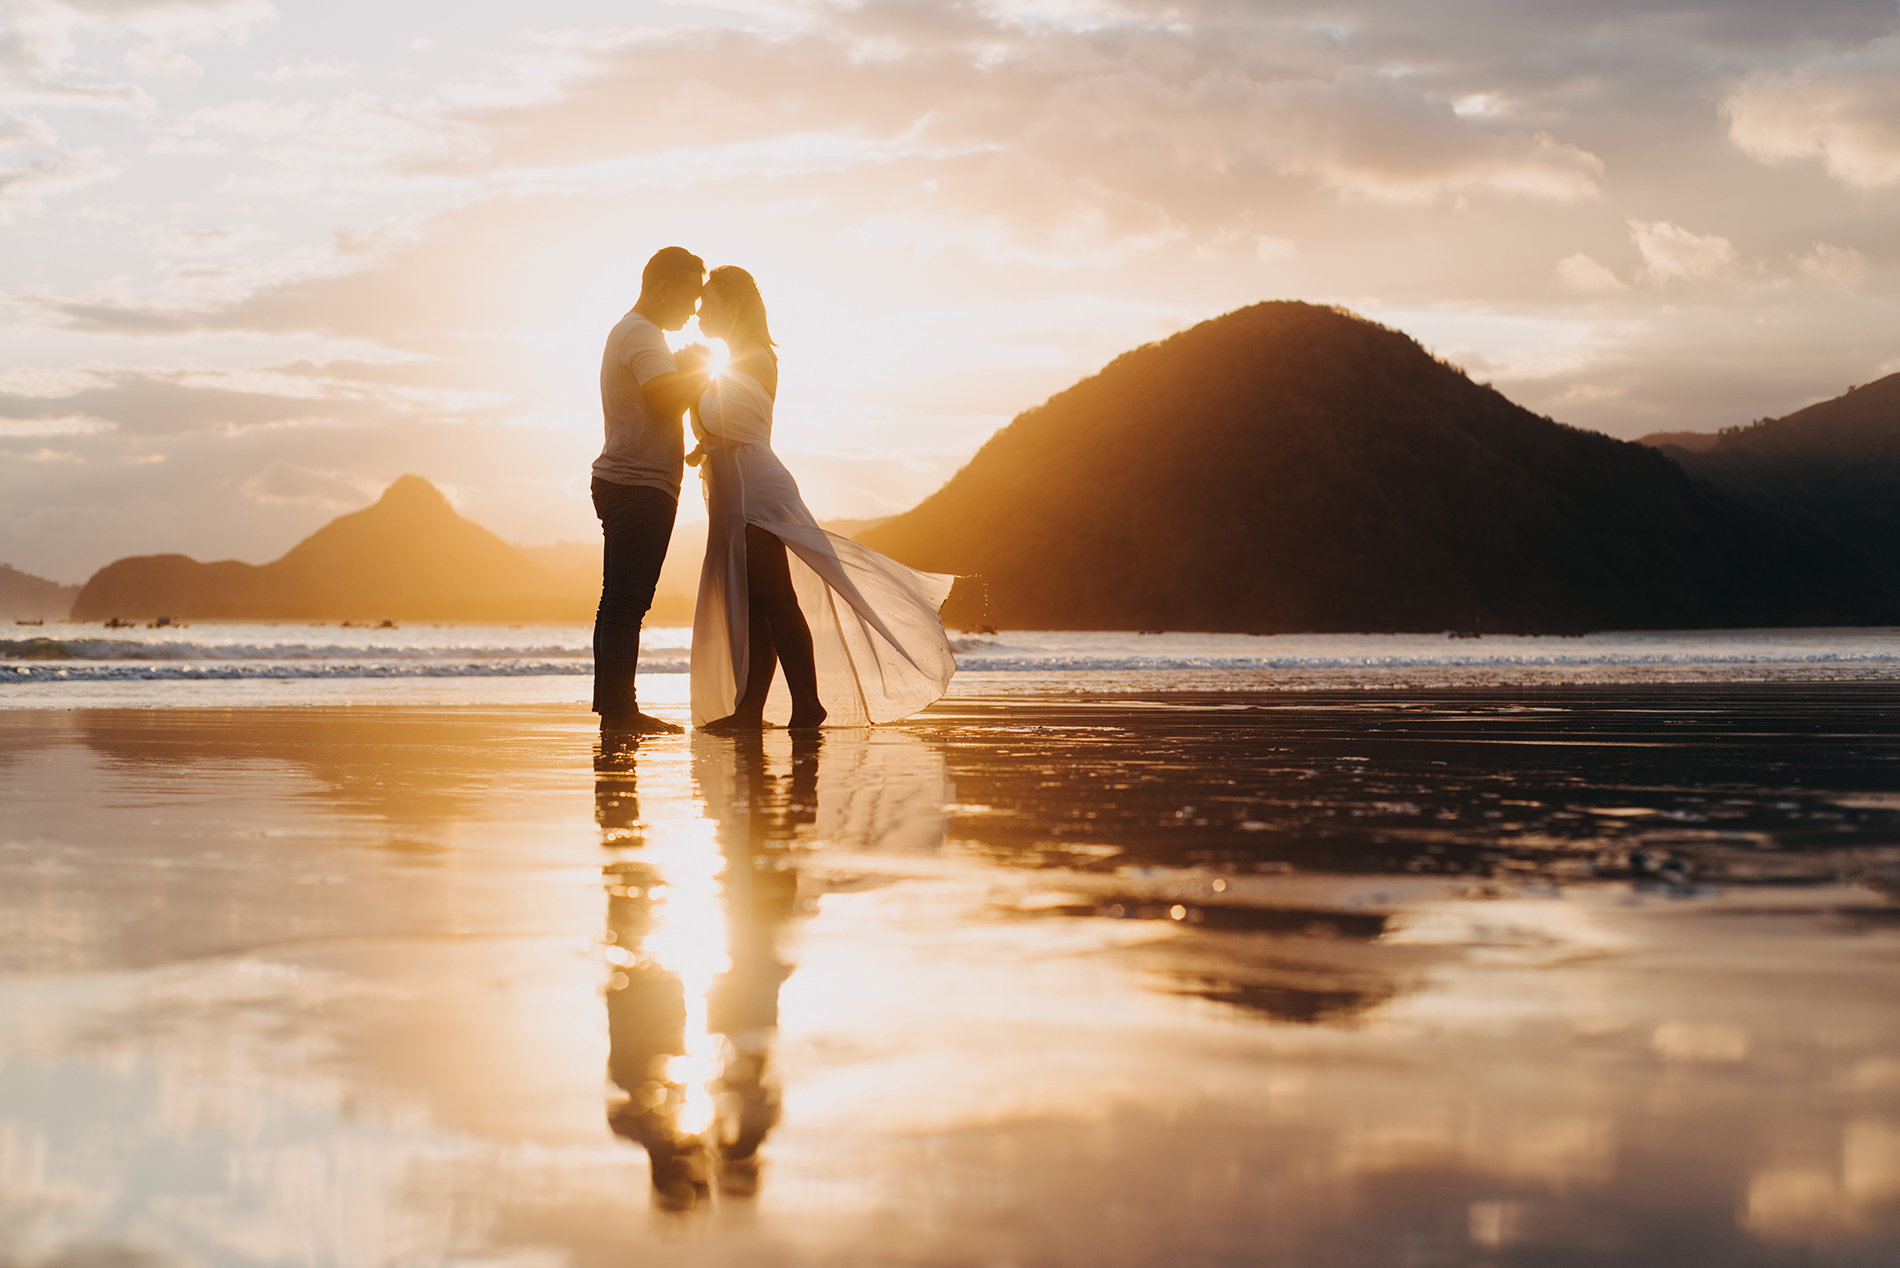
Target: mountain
[(1290, 467), (1693, 441), (408, 557), (25, 597), (1834, 467)]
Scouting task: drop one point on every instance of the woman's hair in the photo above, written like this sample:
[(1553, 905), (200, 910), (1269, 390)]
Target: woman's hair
[(737, 287)]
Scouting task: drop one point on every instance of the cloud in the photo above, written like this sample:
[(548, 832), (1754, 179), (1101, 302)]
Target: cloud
[(1029, 141), (205, 243), (39, 42), (1376, 135), (204, 400), (25, 189), (160, 61), (1845, 110), (308, 69), (19, 130), (65, 425), (1672, 253), (287, 484), (156, 403), (410, 283), (1837, 266), (1108, 139), (346, 146), (1580, 272)]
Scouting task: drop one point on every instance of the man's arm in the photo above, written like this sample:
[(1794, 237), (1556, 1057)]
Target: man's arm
[(669, 394)]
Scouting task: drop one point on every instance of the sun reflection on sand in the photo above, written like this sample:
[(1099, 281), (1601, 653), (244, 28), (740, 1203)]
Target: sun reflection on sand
[(699, 889), (688, 940)]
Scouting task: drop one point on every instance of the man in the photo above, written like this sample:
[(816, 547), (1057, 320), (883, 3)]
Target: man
[(637, 476)]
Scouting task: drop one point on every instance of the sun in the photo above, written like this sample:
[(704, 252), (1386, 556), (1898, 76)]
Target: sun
[(721, 354)]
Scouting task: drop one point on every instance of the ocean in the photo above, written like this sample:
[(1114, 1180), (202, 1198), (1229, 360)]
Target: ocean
[(74, 665)]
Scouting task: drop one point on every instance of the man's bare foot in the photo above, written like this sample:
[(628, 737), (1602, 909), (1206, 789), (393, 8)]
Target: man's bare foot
[(638, 724), (808, 719), (733, 724)]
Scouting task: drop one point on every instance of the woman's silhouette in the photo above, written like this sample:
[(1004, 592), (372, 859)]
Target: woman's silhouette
[(858, 634)]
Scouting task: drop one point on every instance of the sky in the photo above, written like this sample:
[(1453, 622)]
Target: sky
[(262, 258)]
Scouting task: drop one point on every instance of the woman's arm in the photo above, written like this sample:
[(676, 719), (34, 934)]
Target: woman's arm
[(762, 366)]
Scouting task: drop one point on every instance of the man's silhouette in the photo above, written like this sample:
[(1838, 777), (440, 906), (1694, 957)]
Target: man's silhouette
[(637, 476)]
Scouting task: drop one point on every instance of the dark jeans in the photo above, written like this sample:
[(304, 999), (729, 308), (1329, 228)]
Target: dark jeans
[(637, 522)]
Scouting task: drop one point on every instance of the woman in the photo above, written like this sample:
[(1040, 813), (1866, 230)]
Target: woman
[(858, 634)]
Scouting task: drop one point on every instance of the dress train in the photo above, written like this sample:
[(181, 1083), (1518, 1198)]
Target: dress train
[(878, 642)]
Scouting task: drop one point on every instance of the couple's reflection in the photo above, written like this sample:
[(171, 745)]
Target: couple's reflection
[(694, 932)]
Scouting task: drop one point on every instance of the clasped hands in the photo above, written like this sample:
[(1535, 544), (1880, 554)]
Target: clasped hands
[(694, 358)]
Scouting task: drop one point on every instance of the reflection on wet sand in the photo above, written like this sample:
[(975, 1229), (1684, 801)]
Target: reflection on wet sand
[(696, 927), (692, 1004), (1358, 981)]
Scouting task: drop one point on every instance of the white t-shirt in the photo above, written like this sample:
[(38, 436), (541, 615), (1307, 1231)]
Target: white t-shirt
[(641, 449)]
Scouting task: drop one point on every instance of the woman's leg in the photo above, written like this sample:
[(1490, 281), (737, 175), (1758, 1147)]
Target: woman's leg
[(769, 591), (761, 659), (776, 634)]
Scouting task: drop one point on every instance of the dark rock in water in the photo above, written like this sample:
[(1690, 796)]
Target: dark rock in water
[(1289, 467), (1834, 467), (408, 557), (25, 597)]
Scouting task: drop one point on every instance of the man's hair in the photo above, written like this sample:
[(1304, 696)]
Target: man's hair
[(672, 264)]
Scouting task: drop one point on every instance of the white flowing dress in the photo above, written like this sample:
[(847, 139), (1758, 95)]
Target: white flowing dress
[(877, 639)]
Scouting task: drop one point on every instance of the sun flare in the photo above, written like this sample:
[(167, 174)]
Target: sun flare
[(721, 354)]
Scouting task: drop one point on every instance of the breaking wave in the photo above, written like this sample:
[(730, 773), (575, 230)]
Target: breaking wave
[(126, 649), (147, 671), (503, 652)]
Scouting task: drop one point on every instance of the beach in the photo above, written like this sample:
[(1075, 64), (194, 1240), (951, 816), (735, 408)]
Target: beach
[(1122, 970), (1337, 573)]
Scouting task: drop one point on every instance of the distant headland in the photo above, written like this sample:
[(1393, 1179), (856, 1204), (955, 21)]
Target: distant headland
[(407, 557), (1286, 467), (1289, 467), (25, 597)]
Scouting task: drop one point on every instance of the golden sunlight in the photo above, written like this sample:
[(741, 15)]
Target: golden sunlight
[(689, 940), (721, 354)]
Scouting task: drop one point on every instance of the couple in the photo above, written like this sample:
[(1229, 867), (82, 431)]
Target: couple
[(858, 634)]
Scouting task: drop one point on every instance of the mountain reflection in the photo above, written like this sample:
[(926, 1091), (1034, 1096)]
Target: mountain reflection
[(694, 930)]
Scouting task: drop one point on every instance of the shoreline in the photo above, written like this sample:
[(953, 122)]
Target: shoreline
[(292, 688)]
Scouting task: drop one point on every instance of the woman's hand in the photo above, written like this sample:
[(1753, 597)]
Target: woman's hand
[(694, 358)]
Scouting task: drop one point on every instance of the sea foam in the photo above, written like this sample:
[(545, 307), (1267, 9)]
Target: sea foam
[(85, 654)]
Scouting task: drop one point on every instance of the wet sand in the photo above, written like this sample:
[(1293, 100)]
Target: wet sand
[(1540, 976)]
